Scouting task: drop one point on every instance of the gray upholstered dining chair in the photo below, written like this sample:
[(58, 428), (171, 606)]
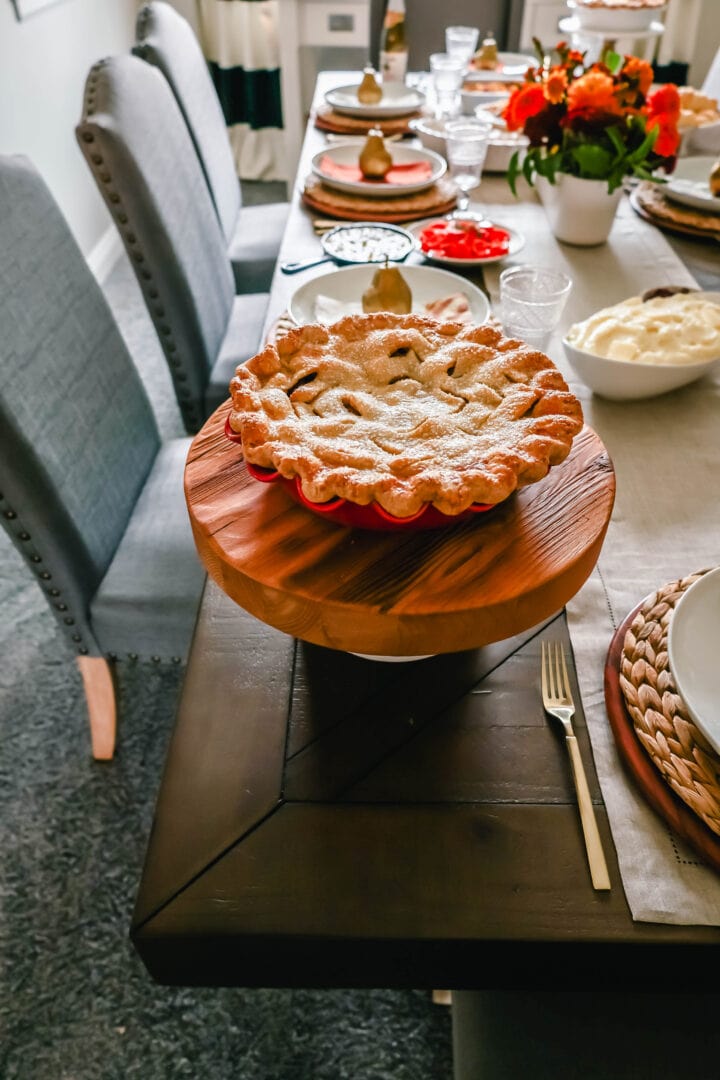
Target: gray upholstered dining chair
[(91, 497), (138, 148), (252, 233)]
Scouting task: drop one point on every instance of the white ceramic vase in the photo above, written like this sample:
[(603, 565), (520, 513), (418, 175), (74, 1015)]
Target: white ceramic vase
[(579, 211)]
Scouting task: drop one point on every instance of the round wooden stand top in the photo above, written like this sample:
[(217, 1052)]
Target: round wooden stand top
[(397, 594)]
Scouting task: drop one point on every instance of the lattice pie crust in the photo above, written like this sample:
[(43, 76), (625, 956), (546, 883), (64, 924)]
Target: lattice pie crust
[(404, 410)]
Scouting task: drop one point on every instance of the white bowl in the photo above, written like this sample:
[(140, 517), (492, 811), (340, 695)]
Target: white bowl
[(346, 287), (625, 380), (617, 20), (347, 154), (693, 649), (502, 145)]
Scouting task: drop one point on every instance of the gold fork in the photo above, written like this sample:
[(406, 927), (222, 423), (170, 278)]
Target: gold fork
[(558, 702)]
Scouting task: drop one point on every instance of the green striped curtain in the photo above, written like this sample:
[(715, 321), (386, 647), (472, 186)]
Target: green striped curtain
[(240, 42)]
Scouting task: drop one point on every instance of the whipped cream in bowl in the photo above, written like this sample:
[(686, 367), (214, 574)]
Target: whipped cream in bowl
[(643, 347)]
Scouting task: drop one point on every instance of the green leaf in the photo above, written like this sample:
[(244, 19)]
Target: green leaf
[(514, 172), (539, 51), (527, 169), (613, 61), (594, 162)]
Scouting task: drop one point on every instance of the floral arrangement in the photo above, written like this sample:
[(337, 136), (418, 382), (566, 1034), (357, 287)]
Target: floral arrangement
[(598, 122)]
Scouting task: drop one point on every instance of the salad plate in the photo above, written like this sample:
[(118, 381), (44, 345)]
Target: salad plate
[(397, 100), (689, 184), (511, 67), (413, 169)]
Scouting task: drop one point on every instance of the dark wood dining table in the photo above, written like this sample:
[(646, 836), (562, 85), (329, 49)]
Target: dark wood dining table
[(329, 821)]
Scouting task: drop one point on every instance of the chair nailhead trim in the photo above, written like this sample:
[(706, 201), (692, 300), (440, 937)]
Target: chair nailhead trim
[(188, 409), (34, 558)]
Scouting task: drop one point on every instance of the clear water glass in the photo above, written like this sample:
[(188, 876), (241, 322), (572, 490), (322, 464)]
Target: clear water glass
[(532, 300), (447, 75), (466, 144), (461, 41)]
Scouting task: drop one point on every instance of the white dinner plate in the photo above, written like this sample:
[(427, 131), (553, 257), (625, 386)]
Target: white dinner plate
[(349, 153), (397, 100), (517, 242), (690, 184), (694, 652), (512, 68), (344, 289)]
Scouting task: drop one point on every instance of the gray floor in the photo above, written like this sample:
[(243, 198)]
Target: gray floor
[(75, 1002)]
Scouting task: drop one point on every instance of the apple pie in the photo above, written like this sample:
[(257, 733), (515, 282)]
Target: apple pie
[(404, 410)]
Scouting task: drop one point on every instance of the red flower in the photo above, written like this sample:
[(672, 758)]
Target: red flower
[(665, 101), (668, 139), (528, 100)]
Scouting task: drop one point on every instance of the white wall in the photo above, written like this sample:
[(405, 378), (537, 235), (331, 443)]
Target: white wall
[(44, 61)]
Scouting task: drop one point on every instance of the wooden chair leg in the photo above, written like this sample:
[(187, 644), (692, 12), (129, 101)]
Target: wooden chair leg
[(99, 686)]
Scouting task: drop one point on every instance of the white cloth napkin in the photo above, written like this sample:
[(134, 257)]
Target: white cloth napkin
[(665, 525)]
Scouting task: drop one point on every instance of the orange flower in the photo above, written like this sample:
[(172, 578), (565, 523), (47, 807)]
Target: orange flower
[(593, 92), (665, 100), (639, 72), (556, 85), (528, 100)]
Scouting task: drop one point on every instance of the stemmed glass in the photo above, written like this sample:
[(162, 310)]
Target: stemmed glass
[(466, 144)]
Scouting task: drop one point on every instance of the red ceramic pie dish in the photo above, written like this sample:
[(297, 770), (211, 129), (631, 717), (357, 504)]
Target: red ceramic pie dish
[(344, 512)]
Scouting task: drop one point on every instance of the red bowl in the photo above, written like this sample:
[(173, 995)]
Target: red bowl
[(344, 512)]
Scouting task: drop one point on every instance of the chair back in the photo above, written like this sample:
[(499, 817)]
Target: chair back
[(137, 145), (77, 432), (167, 40)]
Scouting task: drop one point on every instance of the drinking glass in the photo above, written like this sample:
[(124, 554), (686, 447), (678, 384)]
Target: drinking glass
[(447, 76), (466, 143), (532, 300), (461, 41)]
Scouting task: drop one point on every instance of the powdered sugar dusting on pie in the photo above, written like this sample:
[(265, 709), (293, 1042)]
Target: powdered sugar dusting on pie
[(404, 410)]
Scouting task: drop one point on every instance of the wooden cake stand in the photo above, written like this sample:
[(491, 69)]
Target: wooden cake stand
[(401, 593)]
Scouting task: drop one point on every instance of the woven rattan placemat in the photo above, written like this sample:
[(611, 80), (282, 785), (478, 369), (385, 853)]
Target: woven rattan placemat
[(677, 748), (438, 199), (650, 202), (326, 119)]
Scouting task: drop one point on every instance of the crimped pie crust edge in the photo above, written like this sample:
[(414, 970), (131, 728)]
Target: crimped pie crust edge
[(521, 417)]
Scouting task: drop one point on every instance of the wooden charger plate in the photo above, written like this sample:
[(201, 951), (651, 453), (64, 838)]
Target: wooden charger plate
[(675, 812), (655, 208), (397, 594)]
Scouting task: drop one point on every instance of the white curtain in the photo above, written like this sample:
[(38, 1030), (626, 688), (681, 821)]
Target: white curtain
[(240, 42)]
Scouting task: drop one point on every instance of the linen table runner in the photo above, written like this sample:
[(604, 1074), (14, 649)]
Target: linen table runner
[(665, 525)]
